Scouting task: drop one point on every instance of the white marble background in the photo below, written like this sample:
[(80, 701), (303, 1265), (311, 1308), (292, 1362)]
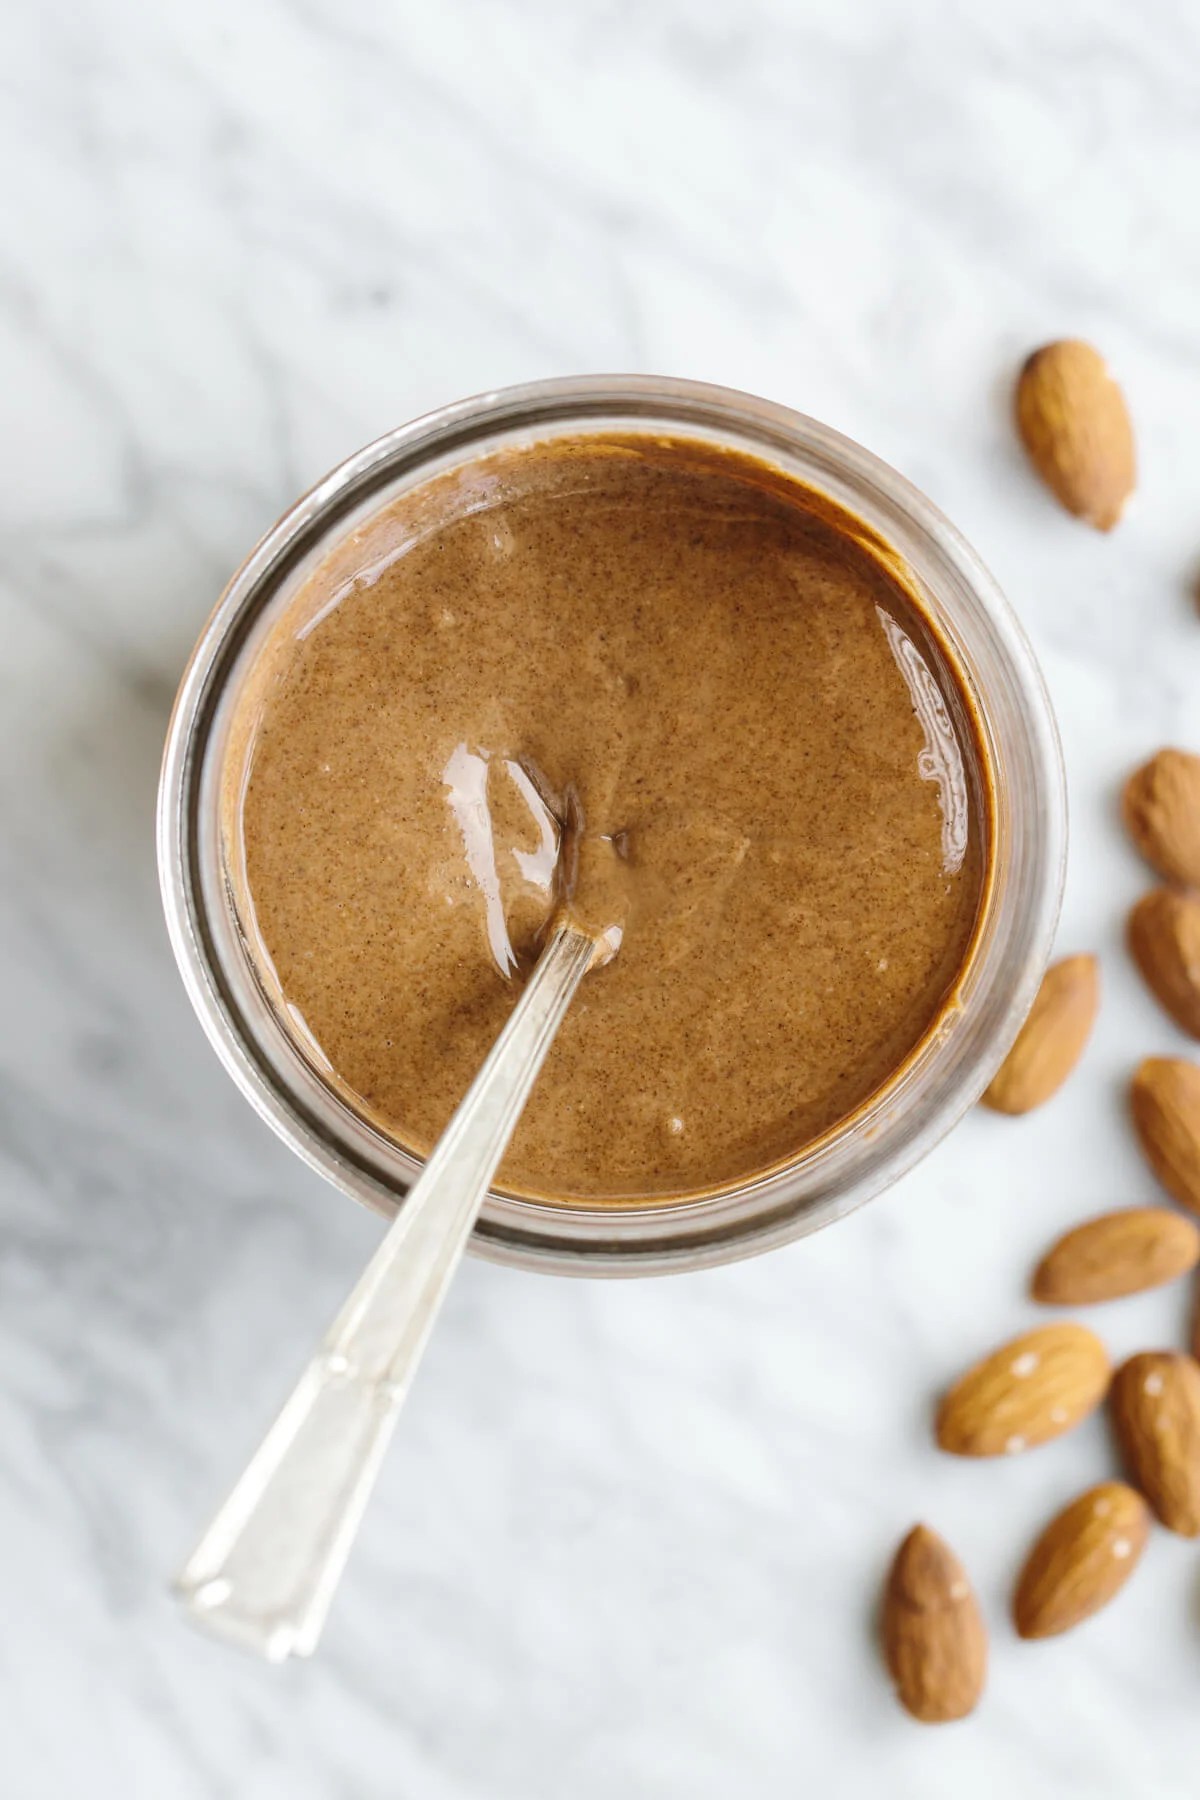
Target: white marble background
[(630, 1539)]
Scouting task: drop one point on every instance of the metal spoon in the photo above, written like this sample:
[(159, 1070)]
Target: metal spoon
[(265, 1571)]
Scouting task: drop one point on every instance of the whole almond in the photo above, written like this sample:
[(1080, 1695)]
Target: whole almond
[(1025, 1393), (1117, 1253), (1052, 1039), (1083, 1558), (934, 1638), (1165, 1100), (1075, 425), (1161, 808), (1164, 941), (1155, 1406)]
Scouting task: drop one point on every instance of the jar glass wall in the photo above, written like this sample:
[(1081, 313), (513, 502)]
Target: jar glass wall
[(937, 1083)]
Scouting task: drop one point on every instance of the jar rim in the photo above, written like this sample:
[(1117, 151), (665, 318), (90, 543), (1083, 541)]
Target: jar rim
[(950, 1067)]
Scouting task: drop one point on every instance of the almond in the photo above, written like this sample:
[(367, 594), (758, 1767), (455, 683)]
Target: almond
[(1117, 1253), (1083, 1558), (1052, 1038), (1161, 808), (1075, 425), (1165, 1099), (934, 1638), (1155, 1407), (1027, 1392), (1164, 941)]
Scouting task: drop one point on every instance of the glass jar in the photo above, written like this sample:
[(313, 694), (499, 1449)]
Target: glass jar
[(949, 1068)]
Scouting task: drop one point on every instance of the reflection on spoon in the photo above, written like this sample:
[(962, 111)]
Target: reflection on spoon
[(494, 800), (530, 857)]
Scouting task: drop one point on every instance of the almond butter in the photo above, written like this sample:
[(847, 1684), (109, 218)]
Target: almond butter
[(1164, 941), (934, 1638), (1052, 1039), (1161, 808), (1155, 1407), (1083, 1558), (1075, 425), (1165, 1100), (1025, 1393), (1117, 1253)]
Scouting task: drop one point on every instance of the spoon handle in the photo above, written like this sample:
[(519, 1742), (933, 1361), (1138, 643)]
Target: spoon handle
[(265, 1571)]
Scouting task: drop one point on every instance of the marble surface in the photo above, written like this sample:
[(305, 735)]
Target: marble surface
[(630, 1539)]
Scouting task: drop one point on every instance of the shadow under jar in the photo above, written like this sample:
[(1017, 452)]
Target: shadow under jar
[(735, 643)]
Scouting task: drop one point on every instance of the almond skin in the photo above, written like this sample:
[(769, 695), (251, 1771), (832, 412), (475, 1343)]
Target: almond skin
[(1075, 426), (1165, 1101), (1052, 1039), (1025, 1393), (1117, 1253), (1083, 1558), (934, 1638), (1155, 1408), (1161, 808), (1164, 941)]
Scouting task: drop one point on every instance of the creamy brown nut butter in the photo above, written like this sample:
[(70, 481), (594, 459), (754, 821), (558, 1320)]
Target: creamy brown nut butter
[(675, 682)]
